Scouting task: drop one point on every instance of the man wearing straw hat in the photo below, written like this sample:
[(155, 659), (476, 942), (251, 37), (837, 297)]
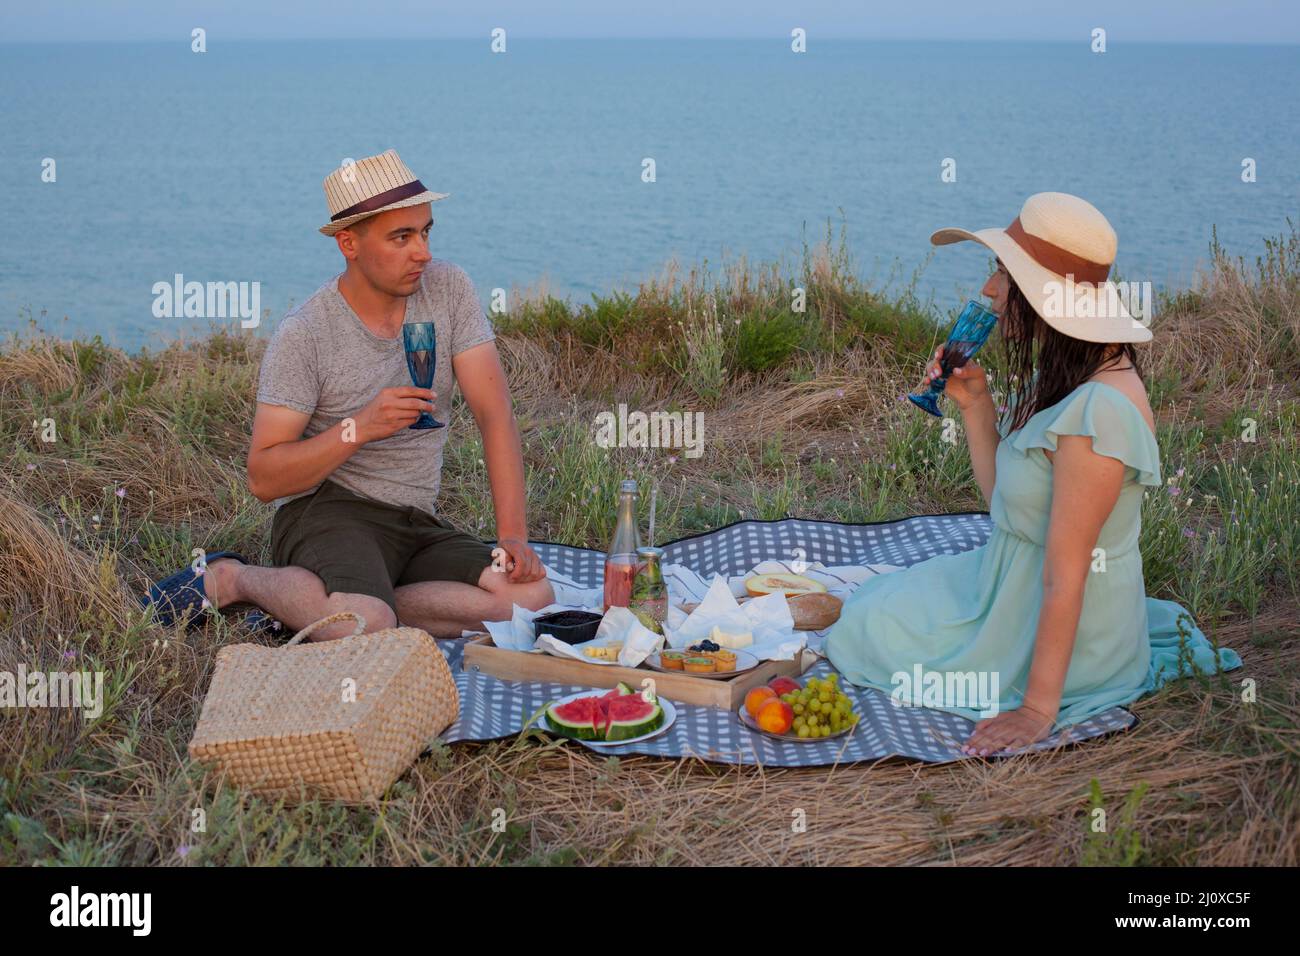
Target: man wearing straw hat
[(332, 446)]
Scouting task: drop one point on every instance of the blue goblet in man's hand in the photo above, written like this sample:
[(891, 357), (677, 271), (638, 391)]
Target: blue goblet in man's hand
[(971, 331), (421, 344)]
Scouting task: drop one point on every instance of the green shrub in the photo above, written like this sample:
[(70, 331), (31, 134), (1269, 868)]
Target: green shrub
[(606, 320), (766, 341)]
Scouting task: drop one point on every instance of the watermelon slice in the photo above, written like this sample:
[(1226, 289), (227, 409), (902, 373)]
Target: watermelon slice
[(581, 719), (629, 716), (611, 716)]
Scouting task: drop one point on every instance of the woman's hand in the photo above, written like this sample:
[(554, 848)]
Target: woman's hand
[(1010, 730), (967, 385)]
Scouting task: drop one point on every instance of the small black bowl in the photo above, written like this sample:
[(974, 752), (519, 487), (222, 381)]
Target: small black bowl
[(571, 627)]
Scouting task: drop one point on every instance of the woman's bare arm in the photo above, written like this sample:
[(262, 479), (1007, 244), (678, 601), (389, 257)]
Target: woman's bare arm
[(1085, 487), (982, 439), (968, 388)]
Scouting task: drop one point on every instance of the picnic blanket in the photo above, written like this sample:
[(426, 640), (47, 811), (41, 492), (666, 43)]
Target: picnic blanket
[(492, 708)]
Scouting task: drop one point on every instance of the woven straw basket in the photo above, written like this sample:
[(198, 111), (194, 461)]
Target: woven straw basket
[(337, 719)]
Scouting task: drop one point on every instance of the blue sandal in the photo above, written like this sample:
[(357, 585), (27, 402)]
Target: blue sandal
[(180, 596), (259, 622)]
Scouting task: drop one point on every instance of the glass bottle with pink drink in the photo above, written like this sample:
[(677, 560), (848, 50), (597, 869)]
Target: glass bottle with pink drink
[(621, 560)]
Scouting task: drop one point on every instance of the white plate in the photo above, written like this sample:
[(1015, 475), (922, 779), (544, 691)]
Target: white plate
[(670, 715), (791, 736), (745, 662)]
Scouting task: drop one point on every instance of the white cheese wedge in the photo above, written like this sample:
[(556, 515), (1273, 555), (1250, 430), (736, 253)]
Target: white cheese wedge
[(734, 642)]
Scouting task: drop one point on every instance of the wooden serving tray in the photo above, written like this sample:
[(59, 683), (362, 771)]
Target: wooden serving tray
[(484, 656)]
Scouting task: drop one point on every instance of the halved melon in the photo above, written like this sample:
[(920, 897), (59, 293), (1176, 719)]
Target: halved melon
[(788, 584)]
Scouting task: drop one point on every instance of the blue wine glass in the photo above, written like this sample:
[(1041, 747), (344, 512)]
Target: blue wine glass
[(421, 344), (971, 331)]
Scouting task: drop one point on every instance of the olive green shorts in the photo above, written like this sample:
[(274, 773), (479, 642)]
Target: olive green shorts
[(360, 546)]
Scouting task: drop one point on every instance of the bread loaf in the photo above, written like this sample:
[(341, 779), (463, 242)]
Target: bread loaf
[(813, 612)]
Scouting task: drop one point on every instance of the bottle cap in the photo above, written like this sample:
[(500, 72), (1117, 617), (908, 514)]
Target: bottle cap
[(629, 484)]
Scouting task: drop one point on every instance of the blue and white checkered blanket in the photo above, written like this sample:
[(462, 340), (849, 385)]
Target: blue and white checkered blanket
[(492, 708)]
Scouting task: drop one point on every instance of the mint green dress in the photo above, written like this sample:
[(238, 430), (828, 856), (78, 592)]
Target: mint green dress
[(978, 611)]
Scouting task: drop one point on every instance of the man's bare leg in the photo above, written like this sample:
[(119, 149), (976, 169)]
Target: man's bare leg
[(292, 595), (446, 608)]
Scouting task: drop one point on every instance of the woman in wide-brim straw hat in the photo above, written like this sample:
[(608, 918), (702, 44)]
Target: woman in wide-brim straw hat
[(1048, 624)]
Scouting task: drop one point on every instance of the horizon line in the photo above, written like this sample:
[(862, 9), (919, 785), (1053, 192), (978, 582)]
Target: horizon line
[(184, 38)]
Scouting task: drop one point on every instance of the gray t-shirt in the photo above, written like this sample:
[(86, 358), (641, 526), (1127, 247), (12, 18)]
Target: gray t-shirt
[(324, 361)]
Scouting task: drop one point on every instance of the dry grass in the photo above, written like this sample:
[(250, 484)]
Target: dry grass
[(817, 433)]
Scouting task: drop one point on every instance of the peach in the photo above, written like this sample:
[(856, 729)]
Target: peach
[(776, 716), (783, 685), (755, 699)]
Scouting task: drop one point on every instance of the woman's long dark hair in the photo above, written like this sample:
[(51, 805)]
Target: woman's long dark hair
[(1062, 363)]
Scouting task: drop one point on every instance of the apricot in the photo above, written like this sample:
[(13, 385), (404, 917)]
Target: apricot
[(755, 699), (776, 716)]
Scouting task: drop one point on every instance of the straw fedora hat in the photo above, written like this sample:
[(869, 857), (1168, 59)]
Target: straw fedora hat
[(370, 186), (1059, 250)]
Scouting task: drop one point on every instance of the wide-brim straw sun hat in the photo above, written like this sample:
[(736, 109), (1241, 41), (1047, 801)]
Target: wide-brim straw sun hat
[(1059, 251), (376, 184)]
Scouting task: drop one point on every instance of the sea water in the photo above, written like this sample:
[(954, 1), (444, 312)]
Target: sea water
[(169, 162)]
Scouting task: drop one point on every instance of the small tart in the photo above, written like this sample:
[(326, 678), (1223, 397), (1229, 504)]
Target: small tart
[(724, 660), (673, 660), (699, 665)]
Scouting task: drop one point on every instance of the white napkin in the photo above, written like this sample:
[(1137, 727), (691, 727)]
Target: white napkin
[(685, 585), (767, 618), (516, 634), (618, 624)]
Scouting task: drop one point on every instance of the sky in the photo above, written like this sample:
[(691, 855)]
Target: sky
[(1171, 21)]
